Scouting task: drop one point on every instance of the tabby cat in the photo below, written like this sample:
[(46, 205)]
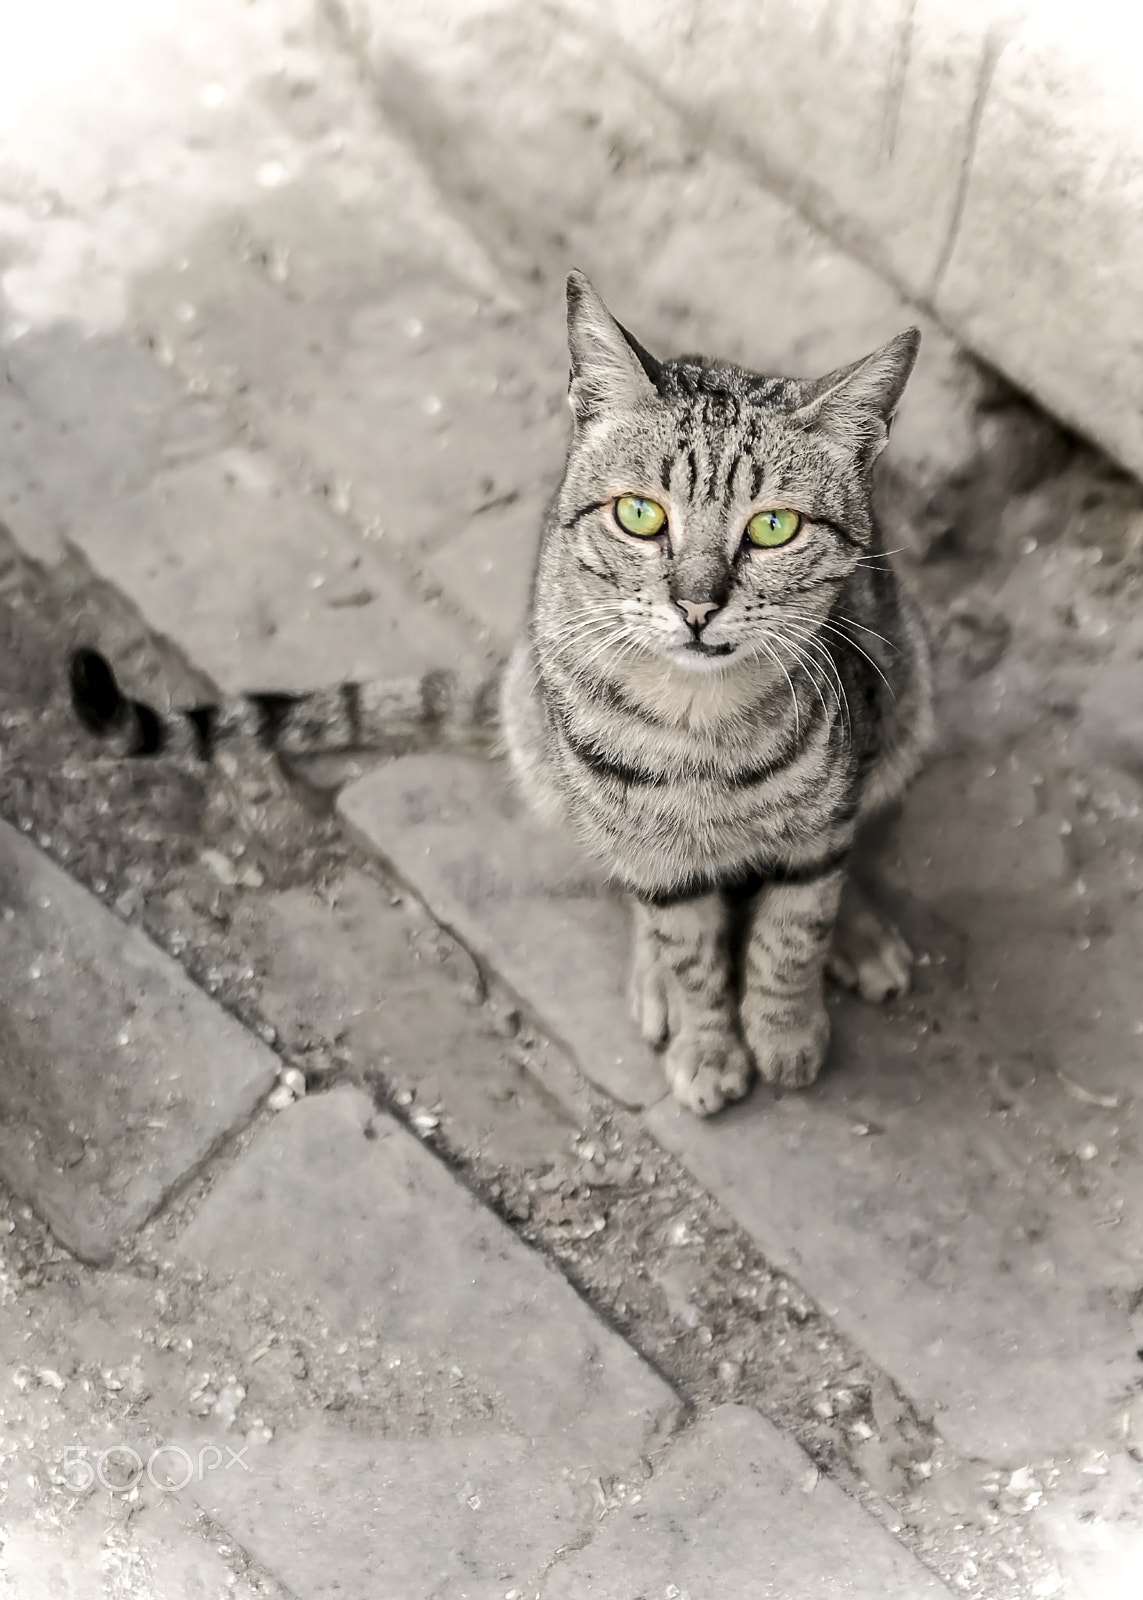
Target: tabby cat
[(719, 681)]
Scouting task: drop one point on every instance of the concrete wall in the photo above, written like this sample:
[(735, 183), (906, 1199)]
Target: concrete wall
[(984, 155), (987, 155)]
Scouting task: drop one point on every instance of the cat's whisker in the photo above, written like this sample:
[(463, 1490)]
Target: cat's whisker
[(825, 664), (807, 667), (852, 622), (829, 627), (812, 641), (879, 555), (571, 627), (609, 628), (610, 636), (793, 692), (877, 669)]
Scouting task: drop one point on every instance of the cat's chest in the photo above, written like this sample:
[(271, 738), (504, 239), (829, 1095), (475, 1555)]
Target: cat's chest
[(658, 803)]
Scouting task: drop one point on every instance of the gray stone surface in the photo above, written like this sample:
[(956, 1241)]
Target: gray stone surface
[(355, 967), (985, 158), (975, 1291), (338, 1209), (520, 898), (86, 422), (369, 324), (348, 263), (96, 1550), (261, 585), (574, 143), (873, 142), (736, 1509), (916, 1240), (1041, 276), (119, 1076), (1110, 726)]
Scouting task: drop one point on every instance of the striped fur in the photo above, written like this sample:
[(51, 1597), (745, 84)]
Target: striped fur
[(722, 773), (714, 721), (439, 709)]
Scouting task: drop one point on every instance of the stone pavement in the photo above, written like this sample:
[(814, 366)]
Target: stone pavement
[(303, 416), (898, 1215), (736, 1512), (485, 1422), (117, 1082)]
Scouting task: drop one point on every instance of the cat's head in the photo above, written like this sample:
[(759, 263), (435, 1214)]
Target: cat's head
[(704, 506)]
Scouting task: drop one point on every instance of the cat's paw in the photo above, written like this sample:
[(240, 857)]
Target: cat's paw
[(705, 1072), (788, 1054), (868, 955), (647, 993)]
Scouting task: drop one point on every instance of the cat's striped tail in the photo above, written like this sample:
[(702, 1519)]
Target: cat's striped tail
[(438, 710)]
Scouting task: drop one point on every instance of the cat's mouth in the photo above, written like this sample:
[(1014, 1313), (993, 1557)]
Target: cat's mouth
[(696, 647)]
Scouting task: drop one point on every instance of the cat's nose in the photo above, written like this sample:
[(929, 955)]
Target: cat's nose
[(698, 612)]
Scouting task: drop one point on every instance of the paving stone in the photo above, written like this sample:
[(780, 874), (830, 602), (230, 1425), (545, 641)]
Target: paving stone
[(262, 586), (520, 898), (988, 1300), (339, 1209), (737, 1509), (367, 334), (120, 1077), (984, 845), (397, 379), (87, 421), (488, 563), (1110, 728), (361, 971), (916, 1238), (90, 1547)]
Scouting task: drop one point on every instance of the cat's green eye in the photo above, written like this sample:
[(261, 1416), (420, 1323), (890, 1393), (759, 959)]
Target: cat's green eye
[(639, 516), (772, 528)]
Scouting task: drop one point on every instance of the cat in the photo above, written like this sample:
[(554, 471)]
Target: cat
[(719, 683)]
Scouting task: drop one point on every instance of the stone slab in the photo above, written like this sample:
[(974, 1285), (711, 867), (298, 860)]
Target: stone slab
[(519, 898), (488, 564), (930, 1190), (93, 1549), (262, 586), (337, 1209), (917, 1240), (120, 1077), (1041, 277), (364, 329), (984, 158), (874, 140), (938, 1242), (87, 421), (555, 138), (737, 1509), (360, 969), (398, 379)]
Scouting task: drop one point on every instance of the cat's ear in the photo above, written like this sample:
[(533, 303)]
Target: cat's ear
[(855, 405), (609, 369)]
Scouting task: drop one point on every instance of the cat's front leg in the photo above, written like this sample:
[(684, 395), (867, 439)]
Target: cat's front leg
[(681, 980), (782, 1008), (648, 993)]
